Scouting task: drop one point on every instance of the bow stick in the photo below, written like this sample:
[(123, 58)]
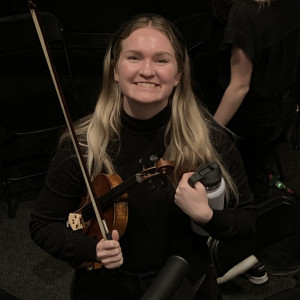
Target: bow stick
[(36, 20)]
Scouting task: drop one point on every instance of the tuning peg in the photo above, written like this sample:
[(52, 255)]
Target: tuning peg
[(141, 162), (153, 158)]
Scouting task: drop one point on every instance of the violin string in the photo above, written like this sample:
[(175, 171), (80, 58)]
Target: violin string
[(87, 211), (106, 199)]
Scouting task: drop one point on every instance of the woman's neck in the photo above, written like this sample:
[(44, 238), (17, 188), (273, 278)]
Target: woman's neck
[(143, 111)]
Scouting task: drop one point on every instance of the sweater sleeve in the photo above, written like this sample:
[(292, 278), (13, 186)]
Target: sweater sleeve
[(61, 195), (238, 219)]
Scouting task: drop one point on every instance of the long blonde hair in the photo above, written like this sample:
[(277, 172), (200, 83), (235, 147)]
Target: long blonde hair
[(187, 135)]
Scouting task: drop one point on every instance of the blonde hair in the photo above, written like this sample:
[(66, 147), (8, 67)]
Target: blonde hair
[(187, 135)]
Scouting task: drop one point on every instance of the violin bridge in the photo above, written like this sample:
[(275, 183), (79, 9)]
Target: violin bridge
[(75, 221)]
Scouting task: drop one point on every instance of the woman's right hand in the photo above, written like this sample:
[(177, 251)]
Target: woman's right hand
[(109, 252)]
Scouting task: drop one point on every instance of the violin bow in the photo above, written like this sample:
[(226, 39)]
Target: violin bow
[(98, 213)]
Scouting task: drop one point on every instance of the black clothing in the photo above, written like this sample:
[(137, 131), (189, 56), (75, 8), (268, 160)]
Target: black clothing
[(270, 37), (156, 228)]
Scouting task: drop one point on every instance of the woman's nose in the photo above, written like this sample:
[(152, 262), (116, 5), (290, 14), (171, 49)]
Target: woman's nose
[(147, 69)]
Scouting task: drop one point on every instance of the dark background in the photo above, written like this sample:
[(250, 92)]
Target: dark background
[(89, 24), (29, 273)]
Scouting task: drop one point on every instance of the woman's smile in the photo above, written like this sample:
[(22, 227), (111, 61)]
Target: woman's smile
[(146, 84)]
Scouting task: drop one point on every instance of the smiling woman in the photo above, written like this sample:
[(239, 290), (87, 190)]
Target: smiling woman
[(148, 74), (145, 111)]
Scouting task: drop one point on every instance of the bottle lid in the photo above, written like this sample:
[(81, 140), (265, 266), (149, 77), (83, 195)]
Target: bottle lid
[(209, 174)]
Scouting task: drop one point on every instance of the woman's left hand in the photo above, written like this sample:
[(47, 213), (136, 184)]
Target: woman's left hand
[(193, 201)]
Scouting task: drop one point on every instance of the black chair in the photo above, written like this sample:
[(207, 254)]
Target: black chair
[(30, 114)]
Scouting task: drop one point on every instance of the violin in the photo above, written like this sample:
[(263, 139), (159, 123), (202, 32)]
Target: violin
[(112, 199)]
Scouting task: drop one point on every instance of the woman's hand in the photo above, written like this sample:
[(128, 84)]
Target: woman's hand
[(109, 252), (193, 201)]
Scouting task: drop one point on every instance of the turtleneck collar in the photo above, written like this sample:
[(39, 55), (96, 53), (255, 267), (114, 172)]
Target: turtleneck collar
[(144, 127)]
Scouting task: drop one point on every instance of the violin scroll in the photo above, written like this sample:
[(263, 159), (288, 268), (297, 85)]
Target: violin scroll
[(161, 167), (164, 167)]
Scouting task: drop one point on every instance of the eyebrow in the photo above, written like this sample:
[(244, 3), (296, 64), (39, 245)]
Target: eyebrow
[(155, 54)]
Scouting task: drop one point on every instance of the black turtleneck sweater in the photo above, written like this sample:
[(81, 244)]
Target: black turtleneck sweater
[(156, 228)]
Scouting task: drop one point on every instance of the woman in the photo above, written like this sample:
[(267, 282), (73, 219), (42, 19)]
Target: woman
[(146, 108)]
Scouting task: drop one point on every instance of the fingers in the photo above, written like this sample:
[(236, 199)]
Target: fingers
[(109, 251), (186, 176), (112, 258), (184, 181), (192, 201), (184, 191), (198, 186), (115, 235)]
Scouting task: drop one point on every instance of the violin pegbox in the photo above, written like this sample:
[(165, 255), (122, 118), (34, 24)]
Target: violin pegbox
[(160, 167)]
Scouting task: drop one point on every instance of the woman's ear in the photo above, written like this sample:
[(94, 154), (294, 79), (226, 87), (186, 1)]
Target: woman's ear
[(177, 79), (116, 75)]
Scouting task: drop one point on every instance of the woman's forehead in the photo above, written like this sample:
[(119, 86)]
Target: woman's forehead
[(147, 38)]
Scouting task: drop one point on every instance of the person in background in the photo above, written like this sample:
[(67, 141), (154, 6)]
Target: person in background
[(259, 57), (251, 85), (146, 109)]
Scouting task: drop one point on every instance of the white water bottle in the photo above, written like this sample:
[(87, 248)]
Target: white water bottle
[(210, 176)]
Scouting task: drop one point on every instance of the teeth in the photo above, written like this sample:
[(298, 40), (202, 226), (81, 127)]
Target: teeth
[(146, 84)]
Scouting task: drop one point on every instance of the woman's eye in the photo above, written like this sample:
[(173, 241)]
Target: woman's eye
[(162, 61), (132, 58)]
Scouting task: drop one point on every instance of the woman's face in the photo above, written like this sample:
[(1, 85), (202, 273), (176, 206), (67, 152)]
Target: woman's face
[(146, 72)]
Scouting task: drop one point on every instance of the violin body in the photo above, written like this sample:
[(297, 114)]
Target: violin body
[(116, 215)]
